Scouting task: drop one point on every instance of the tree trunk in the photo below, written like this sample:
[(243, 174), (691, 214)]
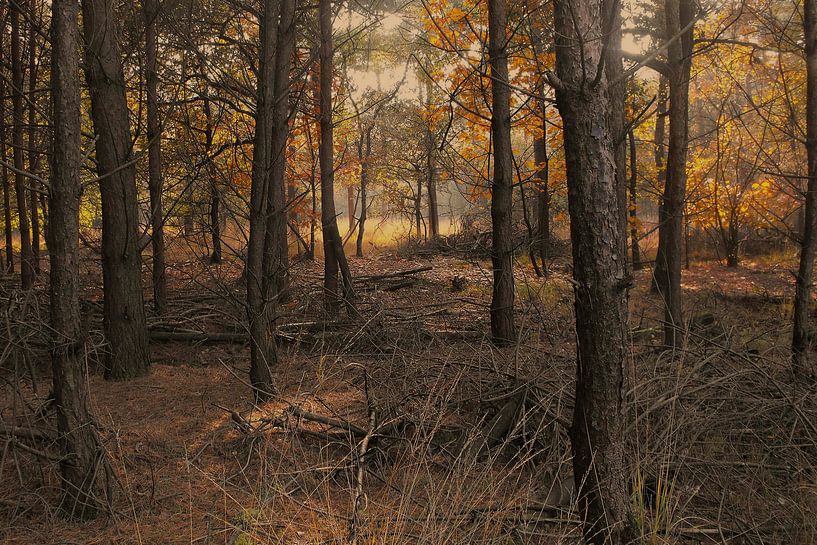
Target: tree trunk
[(83, 464), (9, 265), (277, 249), (503, 330), (418, 206), (334, 256), (540, 155), (150, 11), (660, 170), (634, 246), (26, 255), (350, 207), (215, 193), (33, 156), (808, 244), (364, 152), (263, 352), (599, 272), (124, 312), (678, 14), (431, 185)]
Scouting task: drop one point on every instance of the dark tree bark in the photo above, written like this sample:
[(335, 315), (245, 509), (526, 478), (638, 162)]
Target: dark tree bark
[(82, 466), (215, 192), (431, 185), (659, 154), (124, 312), (503, 330), (613, 69), (9, 265), (634, 246), (263, 352), (540, 155), (599, 272), (350, 207), (808, 243), (26, 255), (277, 249), (334, 256), (33, 156), (418, 205), (150, 11), (364, 153), (678, 14)]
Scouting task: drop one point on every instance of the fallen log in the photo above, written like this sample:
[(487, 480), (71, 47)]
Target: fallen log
[(398, 274)]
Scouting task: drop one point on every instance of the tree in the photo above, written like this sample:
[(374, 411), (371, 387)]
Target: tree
[(599, 267), (633, 191), (150, 12), (808, 244), (33, 156), (4, 172), (503, 329), (334, 255), (26, 255), (83, 457), (124, 312), (263, 352), (679, 33)]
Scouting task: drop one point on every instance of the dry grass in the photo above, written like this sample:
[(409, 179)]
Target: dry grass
[(726, 440)]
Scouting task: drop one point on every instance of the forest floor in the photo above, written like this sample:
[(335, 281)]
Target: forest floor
[(461, 435)]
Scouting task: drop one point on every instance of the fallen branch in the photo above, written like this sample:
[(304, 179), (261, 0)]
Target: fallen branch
[(397, 274)]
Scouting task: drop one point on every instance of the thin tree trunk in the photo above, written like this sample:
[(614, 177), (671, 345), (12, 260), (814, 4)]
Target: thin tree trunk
[(276, 247), (334, 256), (263, 352), (124, 311), (634, 246), (678, 14), (418, 206), (659, 154), (431, 185), (808, 244), (540, 154), (503, 330), (83, 464), (26, 255), (215, 192), (33, 156), (599, 272), (154, 135), (350, 207), (9, 265), (364, 155)]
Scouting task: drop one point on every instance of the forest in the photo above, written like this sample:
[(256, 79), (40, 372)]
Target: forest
[(381, 272)]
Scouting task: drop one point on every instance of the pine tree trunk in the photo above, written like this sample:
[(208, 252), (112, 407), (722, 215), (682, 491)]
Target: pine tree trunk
[(634, 246), (124, 312), (503, 330), (277, 250), (150, 11), (82, 466), (263, 352), (33, 156), (540, 154), (600, 274), (364, 155), (659, 143), (801, 364), (9, 265), (26, 254), (431, 185), (334, 256), (678, 14)]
